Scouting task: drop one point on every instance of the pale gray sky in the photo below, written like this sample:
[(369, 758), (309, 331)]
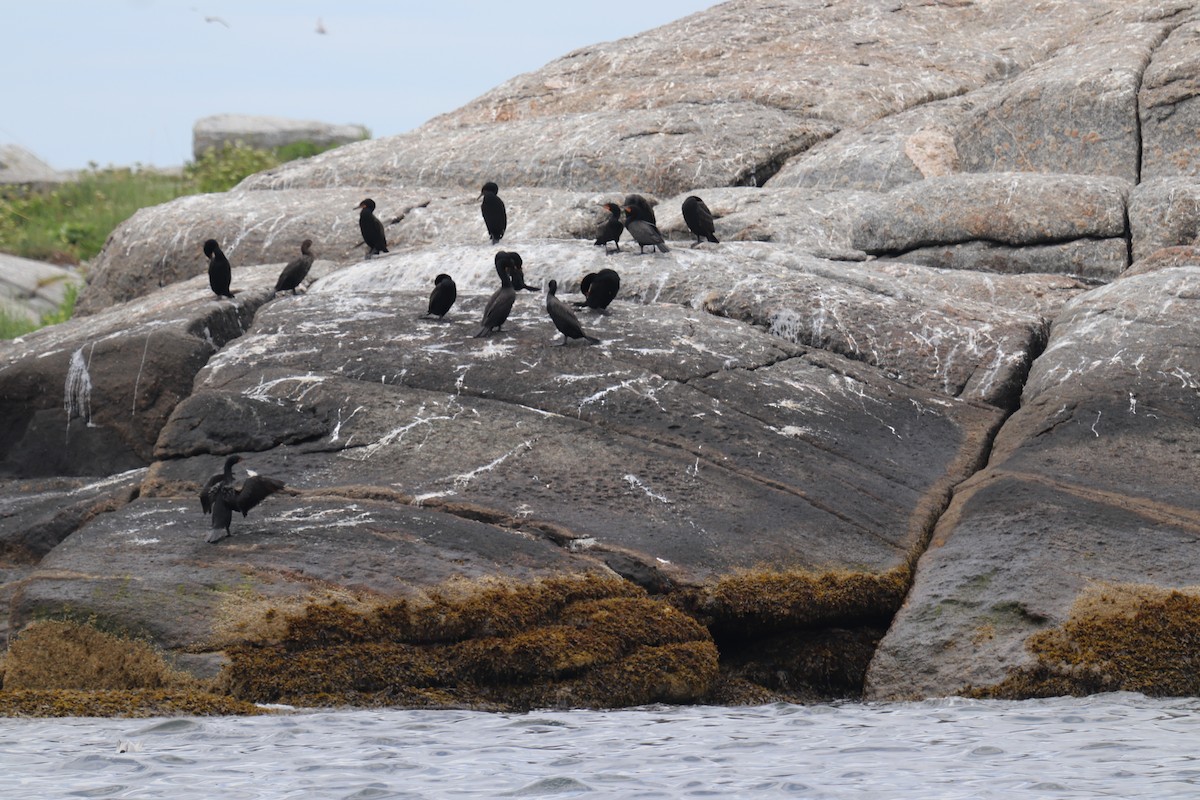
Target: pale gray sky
[(122, 81)]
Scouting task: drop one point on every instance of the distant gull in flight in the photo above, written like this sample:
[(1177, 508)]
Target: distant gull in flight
[(216, 19)]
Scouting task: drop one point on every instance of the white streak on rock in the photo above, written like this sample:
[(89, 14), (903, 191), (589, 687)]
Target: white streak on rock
[(462, 479), (264, 388), (599, 396), (579, 545), (77, 393), (396, 435), (323, 519), (858, 390), (337, 429), (566, 378), (419, 500), (636, 483), (793, 431), (1186, 379), (138, 380), (112, 480)]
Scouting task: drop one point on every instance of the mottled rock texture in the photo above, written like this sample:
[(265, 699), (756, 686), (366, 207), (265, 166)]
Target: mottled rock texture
[(918, 360)]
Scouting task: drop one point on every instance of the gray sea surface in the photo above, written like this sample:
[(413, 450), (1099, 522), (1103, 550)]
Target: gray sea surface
[(1117, 745)]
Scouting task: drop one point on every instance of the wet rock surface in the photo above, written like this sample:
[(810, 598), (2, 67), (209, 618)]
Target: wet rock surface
[(919, 355)]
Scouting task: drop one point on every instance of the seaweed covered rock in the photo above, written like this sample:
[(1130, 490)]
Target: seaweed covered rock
[(1116, 638), (558, 642)]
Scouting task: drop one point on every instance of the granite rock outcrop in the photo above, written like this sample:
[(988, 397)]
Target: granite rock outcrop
[(936, 383)]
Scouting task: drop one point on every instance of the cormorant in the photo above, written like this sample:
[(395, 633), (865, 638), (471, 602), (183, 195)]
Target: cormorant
[(442, 297), (599, 289), (516, 269), (221, 478), (645, 233), (492, 208), (296, 270), (612, 229), (221, 498), (499, 306), (699, 220), (220, 274), (645, 210), (372, 228), (564, 318)]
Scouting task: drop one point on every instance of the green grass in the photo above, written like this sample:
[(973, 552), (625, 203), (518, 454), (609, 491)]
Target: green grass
[(69, 224)]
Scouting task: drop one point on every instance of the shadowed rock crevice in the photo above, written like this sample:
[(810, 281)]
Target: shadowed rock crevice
[(915, 247)]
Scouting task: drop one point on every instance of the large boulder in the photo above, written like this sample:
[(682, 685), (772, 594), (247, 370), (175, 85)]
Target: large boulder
[(1067, 223), (1076, 112), (597, 151), (32, 289), (20, 167), (1163, 212), (269, 133), (913, 145)]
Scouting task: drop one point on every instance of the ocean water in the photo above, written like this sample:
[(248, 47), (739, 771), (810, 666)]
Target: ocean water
[(1118, 745)]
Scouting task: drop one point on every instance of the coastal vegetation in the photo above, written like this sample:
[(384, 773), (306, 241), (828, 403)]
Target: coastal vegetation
[(69, 224)]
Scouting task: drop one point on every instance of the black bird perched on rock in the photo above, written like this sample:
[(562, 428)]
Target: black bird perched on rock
[(599, 289), (564, 318), (645, 233), (699, 220), (612, 228), (372, 228), (492, 208), (220, 274), (645, 210), (516, 268), (221, 498), (296, 270), (500, 304), (442, 297), (220, 479)]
